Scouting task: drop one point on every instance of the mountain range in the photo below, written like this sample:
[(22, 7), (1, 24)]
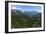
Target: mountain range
[(25, 13)]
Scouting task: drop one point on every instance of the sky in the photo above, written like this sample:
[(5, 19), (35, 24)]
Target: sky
[(27, 8)]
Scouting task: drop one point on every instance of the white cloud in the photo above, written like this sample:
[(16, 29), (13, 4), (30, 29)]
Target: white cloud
[(38, 10), (13, 7)]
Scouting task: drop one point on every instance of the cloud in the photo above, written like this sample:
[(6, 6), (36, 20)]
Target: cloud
[(38, 10)]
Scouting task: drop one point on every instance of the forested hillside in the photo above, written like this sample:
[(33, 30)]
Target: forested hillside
[(25, 19)]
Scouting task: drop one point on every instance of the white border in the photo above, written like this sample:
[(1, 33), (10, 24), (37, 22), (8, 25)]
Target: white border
[(24, 29)]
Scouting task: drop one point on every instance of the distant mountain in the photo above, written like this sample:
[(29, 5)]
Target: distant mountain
[(31, 13), (24, 13)]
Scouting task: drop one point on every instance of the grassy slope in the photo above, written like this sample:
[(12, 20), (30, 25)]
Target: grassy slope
[(21, 22)]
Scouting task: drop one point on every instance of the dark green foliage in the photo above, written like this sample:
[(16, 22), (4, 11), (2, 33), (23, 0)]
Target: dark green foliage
[(18, 20)]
